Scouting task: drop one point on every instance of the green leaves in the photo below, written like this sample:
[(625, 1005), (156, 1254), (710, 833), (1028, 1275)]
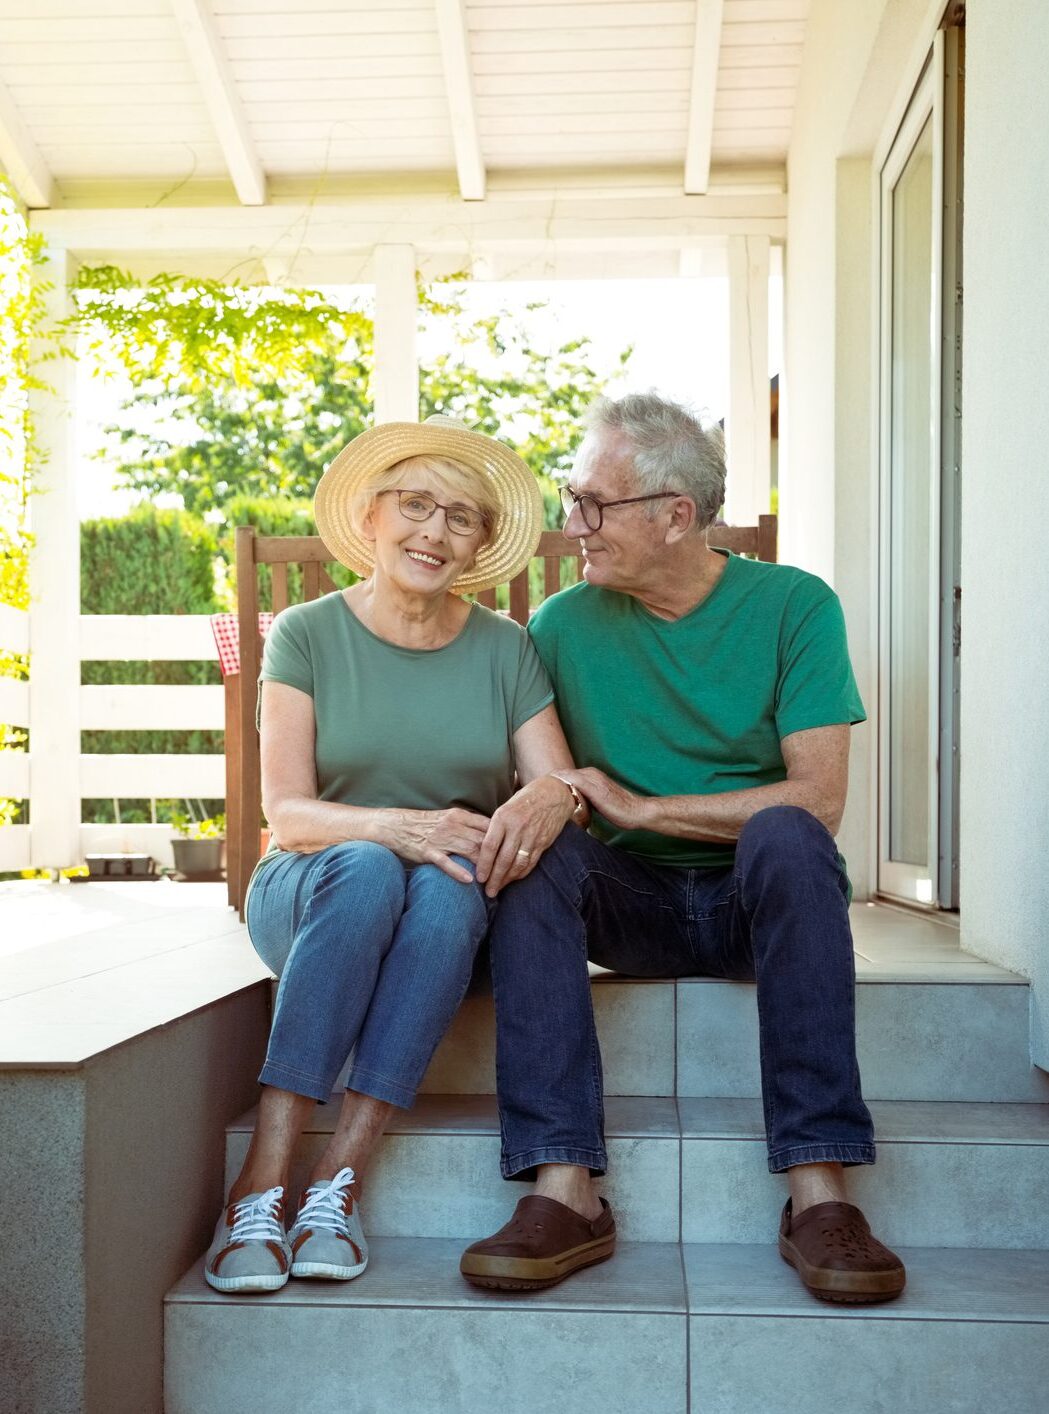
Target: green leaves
[(195, 333), (252, 392)]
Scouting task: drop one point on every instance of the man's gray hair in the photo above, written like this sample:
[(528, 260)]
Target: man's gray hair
[(673, 450)]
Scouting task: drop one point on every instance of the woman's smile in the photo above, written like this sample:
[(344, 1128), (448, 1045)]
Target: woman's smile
[(425, 557)]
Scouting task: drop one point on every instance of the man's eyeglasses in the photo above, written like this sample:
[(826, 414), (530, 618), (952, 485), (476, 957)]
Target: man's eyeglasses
[(593, 511), (419, 505)]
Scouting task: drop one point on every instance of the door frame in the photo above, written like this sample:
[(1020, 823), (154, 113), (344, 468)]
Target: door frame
[(905, 882)]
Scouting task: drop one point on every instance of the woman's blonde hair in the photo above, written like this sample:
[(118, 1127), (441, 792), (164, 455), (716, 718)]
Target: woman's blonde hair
[(454, 479)]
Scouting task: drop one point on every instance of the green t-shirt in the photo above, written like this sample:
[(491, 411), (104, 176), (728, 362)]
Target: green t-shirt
[(697, 705), (419, 729)]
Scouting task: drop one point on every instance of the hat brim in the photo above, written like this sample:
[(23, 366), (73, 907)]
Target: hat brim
[(517, 493)]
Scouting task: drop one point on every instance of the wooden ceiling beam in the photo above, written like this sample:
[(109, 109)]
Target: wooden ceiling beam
[(462, 105), (215, 76), (705, 54), (21, 157)]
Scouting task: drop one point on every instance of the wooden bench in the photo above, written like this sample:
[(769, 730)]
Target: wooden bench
[(278, 553)]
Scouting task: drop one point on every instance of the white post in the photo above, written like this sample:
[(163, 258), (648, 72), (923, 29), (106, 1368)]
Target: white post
[(747, 422), (54, 608), (396, 379)]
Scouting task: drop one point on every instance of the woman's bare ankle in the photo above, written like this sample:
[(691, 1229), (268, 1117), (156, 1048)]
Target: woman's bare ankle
[(256, 1181)]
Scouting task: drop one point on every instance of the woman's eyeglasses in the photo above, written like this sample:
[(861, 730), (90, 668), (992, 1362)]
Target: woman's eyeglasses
[(593, 511), (419, 505)]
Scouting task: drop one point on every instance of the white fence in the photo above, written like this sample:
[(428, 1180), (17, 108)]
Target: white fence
[(154, 638)]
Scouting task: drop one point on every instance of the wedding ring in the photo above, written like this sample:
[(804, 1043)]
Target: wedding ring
[(526, 852)]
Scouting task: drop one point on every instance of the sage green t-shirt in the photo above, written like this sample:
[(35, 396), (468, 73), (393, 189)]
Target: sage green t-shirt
[(419, 729), (697, 705)]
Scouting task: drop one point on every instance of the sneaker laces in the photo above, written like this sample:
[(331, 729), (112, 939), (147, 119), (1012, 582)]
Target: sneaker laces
[(323, 1207), (256, 1217)]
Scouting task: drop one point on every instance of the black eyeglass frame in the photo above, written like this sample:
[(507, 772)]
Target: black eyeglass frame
[(571, 498), (400, 491)]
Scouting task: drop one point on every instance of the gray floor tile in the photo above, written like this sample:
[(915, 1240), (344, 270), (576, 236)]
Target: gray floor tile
[(918, 1194), (942, 1284), (257, 1359), (898, 1121), (443, 1184), (411, 1271), (915, 1041), (635, 1025), (773, 1365), (627, 1116)]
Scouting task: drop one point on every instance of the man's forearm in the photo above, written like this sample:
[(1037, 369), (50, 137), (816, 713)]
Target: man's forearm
[(722, 817)]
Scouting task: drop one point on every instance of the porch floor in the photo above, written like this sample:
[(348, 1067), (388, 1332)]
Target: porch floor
[(84, 967)]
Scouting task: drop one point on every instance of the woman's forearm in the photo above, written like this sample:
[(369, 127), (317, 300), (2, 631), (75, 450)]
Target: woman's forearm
[(306, 825)]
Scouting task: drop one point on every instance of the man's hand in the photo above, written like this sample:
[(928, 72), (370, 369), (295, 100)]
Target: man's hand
[(618, 805)]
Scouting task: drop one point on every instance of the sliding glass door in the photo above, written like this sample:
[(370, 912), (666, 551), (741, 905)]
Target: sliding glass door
[(918, 564)]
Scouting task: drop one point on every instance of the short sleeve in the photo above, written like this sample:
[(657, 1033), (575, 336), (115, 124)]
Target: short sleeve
[(532, 690), (286, 654), (543, 633), (816, 686)]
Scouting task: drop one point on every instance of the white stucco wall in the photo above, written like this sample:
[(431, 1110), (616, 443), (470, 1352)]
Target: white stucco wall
[(1005, 486), (838, 41)]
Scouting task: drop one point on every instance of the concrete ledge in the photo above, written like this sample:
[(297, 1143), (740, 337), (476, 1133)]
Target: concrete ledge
[(85, 968), (115, 1090)]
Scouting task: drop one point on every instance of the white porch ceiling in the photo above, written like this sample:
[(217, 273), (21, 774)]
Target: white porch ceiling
[(258, 92)]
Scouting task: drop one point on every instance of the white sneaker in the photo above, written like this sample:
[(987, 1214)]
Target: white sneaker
[(326, 1237), (250, 1250)]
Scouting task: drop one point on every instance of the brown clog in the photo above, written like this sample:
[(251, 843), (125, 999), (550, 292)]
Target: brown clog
[(543, 1243), (834, 1252)]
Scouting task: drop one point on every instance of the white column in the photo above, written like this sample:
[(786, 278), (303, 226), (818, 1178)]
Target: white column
[(747, 421), (396, 379), (54, 608)]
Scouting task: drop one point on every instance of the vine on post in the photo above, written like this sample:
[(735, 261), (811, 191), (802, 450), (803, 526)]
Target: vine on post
[(23, 294)]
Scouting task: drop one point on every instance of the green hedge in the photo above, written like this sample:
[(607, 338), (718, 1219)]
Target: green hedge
[(150, 561)]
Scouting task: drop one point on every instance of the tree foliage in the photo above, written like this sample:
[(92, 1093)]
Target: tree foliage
[(265, 425), (185, 332), (23, 294)]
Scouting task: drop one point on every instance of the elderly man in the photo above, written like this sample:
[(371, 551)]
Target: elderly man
[(708, 699)]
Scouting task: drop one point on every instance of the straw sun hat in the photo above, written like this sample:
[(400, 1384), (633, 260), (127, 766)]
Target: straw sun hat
[(516, 492)]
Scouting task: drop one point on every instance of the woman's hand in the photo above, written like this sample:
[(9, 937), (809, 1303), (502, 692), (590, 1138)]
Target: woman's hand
[(521, 830), (431, 836)]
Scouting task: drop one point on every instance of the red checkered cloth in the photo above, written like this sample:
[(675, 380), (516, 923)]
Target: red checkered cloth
[(227, 639)]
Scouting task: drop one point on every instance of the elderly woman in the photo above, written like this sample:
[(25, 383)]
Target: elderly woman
[(396, 721)]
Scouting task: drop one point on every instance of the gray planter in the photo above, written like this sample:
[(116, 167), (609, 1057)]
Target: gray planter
[(193, 857)]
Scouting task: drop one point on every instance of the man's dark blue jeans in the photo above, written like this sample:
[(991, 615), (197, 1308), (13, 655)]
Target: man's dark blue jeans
[(778, 916)]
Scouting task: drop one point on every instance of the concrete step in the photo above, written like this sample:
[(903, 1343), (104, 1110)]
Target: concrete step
[(949, 1174), (726, 1327), (920, 1039), (437, 1172), (970, 1335), (635, 1024), (916, 1040)]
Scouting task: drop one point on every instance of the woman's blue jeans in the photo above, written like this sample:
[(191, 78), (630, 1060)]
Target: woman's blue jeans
[(779, 916), (372, 953)]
